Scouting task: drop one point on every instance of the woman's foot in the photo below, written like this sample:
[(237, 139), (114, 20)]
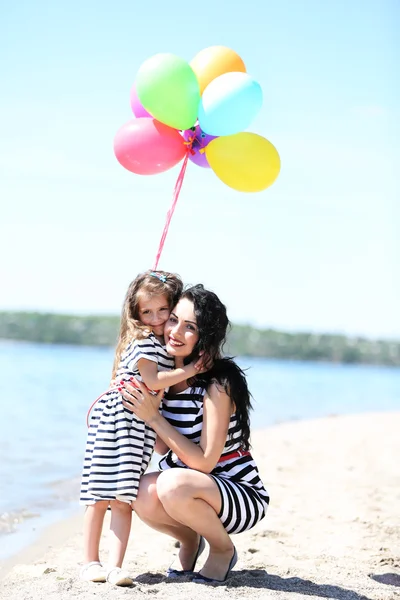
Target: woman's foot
[(187, 559), (217, 567), (117, 576), (93, 571)]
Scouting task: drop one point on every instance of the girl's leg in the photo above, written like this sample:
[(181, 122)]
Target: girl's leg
[(92, 527), (193, 498), (120, 527)]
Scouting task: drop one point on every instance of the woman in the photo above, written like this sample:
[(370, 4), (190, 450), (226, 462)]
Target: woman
[(209, 485)]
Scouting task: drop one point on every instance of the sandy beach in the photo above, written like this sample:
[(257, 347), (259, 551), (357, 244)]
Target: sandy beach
[(333, 528)]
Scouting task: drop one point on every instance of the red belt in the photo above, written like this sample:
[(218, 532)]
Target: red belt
[(234, 455)]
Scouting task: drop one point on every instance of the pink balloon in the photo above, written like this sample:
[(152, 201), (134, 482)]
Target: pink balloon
[(147, 147), (137, 107)]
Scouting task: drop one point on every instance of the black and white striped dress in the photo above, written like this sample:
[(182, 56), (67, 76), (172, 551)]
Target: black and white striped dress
[(244, 498), (119, 445)]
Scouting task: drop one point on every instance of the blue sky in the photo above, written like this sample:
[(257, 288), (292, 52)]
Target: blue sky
[(319, 250)]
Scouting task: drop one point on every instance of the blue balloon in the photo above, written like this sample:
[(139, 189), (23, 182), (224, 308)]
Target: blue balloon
[(229, 104)]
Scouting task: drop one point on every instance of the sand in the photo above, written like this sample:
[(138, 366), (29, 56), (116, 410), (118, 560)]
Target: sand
[(333, 528)]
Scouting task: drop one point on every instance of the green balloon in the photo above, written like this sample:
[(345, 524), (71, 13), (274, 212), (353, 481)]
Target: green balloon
[(168, 89)]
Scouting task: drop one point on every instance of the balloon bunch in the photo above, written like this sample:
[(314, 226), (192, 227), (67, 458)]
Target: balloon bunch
[(198, 110)]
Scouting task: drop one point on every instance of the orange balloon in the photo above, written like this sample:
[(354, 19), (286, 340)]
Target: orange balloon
[(214, 61)]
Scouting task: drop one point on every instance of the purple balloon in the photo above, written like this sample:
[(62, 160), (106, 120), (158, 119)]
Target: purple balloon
[(137, 107), (200, 141)]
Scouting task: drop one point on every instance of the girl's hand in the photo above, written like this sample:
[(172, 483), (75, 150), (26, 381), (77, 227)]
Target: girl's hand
[(203, 363), (140, 401)]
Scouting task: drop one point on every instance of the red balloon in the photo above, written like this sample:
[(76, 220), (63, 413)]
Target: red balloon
[(147, 147)]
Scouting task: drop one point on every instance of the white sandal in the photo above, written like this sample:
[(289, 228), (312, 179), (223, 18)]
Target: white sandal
[(117, 576), (93, 571)]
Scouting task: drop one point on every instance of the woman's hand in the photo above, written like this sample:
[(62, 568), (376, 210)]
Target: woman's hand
[(141, 402)]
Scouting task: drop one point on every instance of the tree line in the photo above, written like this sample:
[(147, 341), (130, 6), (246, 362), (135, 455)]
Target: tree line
[(243, 340)]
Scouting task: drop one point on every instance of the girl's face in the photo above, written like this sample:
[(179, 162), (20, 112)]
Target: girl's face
[(181, 332), (153, 311)]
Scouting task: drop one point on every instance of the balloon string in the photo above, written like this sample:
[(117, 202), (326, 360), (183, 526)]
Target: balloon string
[(177, 189)]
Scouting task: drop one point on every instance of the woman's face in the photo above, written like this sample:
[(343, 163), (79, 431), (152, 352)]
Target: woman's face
[(181, 333)]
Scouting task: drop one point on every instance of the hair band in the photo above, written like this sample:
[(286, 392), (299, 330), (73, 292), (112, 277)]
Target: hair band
[(159, 276)]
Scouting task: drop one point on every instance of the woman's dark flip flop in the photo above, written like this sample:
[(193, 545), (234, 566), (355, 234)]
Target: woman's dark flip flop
[(202, 579), (171, 573)]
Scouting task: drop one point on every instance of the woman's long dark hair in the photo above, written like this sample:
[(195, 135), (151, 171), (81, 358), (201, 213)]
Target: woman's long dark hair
[(213, 325)]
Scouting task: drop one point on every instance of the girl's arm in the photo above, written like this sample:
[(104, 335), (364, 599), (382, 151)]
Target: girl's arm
[(157, 380), (161, 447), (216, 416)]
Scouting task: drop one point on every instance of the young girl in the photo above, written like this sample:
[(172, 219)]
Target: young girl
[(120, 445)]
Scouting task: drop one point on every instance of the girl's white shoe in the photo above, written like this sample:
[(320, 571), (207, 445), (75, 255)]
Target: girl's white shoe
[(117, 576), (93, 571)]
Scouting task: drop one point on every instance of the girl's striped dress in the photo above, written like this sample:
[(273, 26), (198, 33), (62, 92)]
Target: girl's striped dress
[(119, 445), (244, 498)]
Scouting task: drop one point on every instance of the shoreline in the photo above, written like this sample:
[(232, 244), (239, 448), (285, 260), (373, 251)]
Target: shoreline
[(28, 544), (332, 530), (44, 522), (324, 358), (52, 535)]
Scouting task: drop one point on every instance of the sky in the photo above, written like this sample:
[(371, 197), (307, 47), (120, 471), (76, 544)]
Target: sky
[(317, 251)]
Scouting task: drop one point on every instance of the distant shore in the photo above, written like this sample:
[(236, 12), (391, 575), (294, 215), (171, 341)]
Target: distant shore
[(332, 530), (243, 340)]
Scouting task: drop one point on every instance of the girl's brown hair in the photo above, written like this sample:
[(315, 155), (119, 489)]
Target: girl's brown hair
[(151, 283)]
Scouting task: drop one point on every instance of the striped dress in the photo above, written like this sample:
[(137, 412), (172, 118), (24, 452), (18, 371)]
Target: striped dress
[(244, 500), (120, 445)]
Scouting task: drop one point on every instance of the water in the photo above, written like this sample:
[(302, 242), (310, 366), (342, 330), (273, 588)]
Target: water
[(46, 391)]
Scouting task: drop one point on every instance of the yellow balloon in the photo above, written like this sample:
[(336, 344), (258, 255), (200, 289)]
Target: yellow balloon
[(214, 61), (247, 162)]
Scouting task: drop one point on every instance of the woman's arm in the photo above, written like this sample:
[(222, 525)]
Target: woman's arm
[(216, 415), (157, 380)]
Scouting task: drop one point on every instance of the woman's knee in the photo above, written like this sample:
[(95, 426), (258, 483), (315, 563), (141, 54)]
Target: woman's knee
[(174, 485), (147, 500)]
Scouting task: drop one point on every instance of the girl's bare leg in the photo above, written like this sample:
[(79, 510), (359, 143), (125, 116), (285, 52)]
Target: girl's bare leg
[(120, 527), (92, 527)]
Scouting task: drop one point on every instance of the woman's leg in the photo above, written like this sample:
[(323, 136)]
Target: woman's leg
[(120, 527), (92, 527), (183, 504), (150, 510), (193, 499)]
